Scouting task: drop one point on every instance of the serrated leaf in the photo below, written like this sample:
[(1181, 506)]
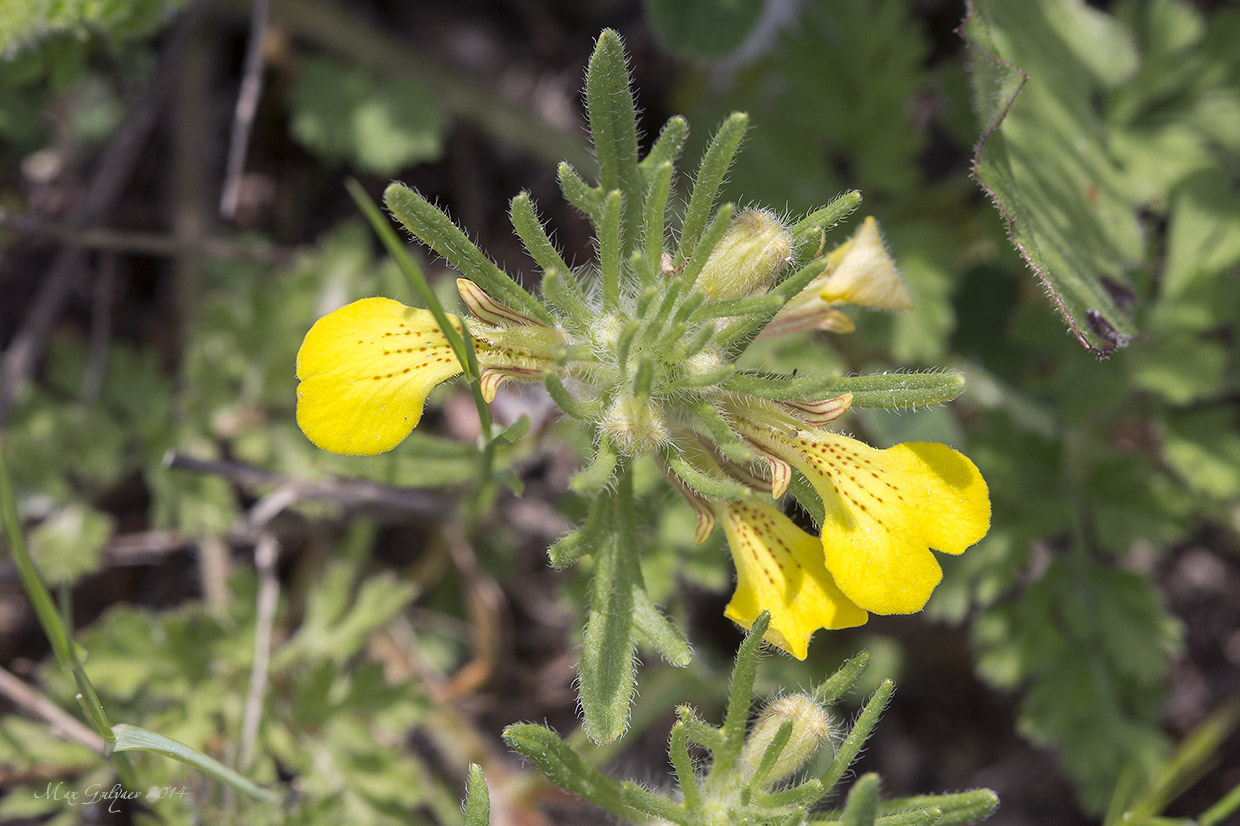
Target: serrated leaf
[(69, 543), (378, 124), (1043, 158)]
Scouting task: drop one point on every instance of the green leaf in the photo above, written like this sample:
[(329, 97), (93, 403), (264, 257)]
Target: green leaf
[(136, 738), (702, 29), (565, 768), (1094, 644), (380, 124), (862, 805), (716, 162), (1043, 158), (69, 543), (1203, 446), (607, 667), (613, 126), (434, 228), (658, 630), (477, 799)]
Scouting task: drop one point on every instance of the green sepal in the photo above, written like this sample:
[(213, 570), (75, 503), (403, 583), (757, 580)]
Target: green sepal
[(740, 695), (709, 486), (776, 387), (716, 162), (513, 432), (585, 540), (861, 808), (687, 308), (706, 243), (433, 227), (698, 730), (565, 768), (682, 766), (771, 754), (765, 305), (477, 798), (643, 377), (804, 794), (584, 410), (607, 670), (533, 234), (842, 681), (956, 809), (721, 433), (807, 497), (851, 747), (703, 379), (654, 217), (900, 391), (738, 335), (560, 287), (666, 147), (656, 805), (697, 342), (610, 243), (807, 233), (595, 477), (588, 199), (658, 630), (613, 122)]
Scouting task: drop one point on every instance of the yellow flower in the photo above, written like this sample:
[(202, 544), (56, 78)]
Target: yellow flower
[(367, 368), (859, 271), (780, 569), (884, 509)]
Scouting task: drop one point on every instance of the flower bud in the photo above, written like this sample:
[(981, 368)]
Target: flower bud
[(810, 729), (635, 425), (747, 258)]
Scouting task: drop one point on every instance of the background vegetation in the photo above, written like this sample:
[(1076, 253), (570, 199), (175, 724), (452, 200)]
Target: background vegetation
[(147, 389)]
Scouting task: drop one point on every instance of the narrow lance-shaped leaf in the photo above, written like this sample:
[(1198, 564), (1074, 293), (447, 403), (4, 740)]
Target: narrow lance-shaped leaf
[(565, 768), (435, 229), (533, 235), (613, 123), (607, 667), (658, 630), (862, 806), (666, 147), (654, 215), (713, 169), (477, 798)]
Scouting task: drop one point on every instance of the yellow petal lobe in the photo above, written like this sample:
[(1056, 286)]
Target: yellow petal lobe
[(779, 568), (863, 272), (366, 370), (885, 510)]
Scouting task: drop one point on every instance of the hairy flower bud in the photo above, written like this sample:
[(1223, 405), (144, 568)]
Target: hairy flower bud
[(810, 729), (635, 425), (747, 258)]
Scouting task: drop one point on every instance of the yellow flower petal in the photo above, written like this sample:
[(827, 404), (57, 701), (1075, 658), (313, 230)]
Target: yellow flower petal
[(862, 272), (885, 510), (779, 568), (366, 370)]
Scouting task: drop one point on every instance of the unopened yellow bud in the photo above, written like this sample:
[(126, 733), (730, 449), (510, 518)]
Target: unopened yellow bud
[(810, 730), (636, 426), (747, 258)]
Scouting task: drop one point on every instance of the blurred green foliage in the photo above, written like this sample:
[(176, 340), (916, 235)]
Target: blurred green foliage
[(1116, 163)]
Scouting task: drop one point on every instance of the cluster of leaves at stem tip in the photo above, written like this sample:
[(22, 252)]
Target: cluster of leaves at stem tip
[(765, 773), (642, 346)]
